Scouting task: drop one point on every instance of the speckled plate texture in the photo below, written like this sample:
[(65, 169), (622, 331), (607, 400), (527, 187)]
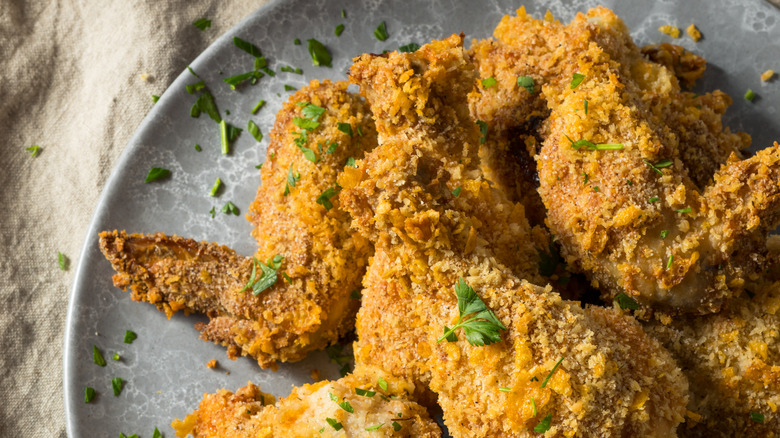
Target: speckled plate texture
[(165, 368)]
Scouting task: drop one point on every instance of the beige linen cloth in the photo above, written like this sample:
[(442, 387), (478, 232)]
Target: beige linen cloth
[(71, 83)]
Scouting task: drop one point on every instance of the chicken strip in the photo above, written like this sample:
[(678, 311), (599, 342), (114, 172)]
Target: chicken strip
[(619, 198), (295, 296), (554, 366), (366, 403), (732, 360)]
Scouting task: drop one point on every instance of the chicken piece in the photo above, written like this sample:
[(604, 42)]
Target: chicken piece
[(326, 408), (638, 223), (584, 372), (297, 218), (732, 360)]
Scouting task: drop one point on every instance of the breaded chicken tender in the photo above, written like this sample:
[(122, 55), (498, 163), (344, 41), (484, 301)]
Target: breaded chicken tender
[(732, 360), (557, 367), (365, 403), (619, 197), (299, 226)]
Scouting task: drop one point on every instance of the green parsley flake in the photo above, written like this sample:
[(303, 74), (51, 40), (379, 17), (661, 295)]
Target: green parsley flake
[(579, 144), (213, 212), (197, 148), (155, 98), (346, 128), (308, 154), (195, 111), (202, 23), (156, 173), (235, 81), (526, 82), (324, 198), (116, 384), (206, 104), (482, 328), (586, 106), (483, 131), (396, 426), (670, 261), (343, 13), (683, 210), (488, 82), (289, 88), (664, 233), (297, 42), (156, 433), (215, 187), (365, 392), (34, 150), (409, 48), (115, 356), (533, 406), (258, 106), (334, 424), (456, 192), (750, 95), (505, 389), (230, 208), (291, 180), (382, 383), (350, 162), (254, 130), (339, 29), (320, 56), (543, 425), (381, 32), (223, 137), (197, 86), (130, 336), (289, 69), (332, 148), (626, 302), (547, 379), (63, 261), (247, 47), (375, 427), (577, 79), (653, 199), (89, 394), (757, 417), (268, 277)]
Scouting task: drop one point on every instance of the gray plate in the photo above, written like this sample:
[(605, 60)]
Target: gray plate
[(164, 368)]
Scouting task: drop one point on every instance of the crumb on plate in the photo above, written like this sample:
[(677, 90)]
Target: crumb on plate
[(767, 75), (672, 31), (693, 32)]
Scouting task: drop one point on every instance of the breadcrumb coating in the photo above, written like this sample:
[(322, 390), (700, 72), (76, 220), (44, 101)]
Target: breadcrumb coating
[(612, 380)]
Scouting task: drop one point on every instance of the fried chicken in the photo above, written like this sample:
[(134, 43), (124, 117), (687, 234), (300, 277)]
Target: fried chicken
[(732, 360), (618, 195), (365, 403), (296, 216), (605, 377)]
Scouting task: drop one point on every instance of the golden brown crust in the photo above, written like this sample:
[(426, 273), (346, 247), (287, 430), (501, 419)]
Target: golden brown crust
[(613, 379)]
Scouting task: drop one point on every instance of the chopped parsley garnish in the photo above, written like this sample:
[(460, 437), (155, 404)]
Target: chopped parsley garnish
[(320, 56), (130, 336), (206, 104), (289, 88), (585, 177), (533, 406), (346, 128), (365, 392), (670, 261), (664, 233), (343, 13), (254, 130), (653, 199), (223, 137), (247, 47), (213, 211), (526, 82), (339, 29), (116, 385), (235, 81), (230, 208), (287, 277), (483, 131), (258, 106), (155, 98), (750, 95), (62, 260), (202, 23), (505, 389), (324, 198), (343, 405), (197, 148), (382, 383), (396, 426), (121, 435), (488, 82), (267, 278), (456, 192), (626, 302), (308, 154), (482, 327), (683, 210), (197, 86), (543, 425), (757, 417), (289, 69), (577, 145), (356, 295), (156, 173), (192, 71), (307, 124), (596, 188), (156, 433), (215, 187), (547, 379), (350, 162), (297, 42), (576, 79), (381, 32), (34, 149), (195, 111), (334, 423), (115, 356), (291, 180), (89, 394), (332, 148), (409, 48), (375, 427), (534, 379), (659, 165), (586, 106)]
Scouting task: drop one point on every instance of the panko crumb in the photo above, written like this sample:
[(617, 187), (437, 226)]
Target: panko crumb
[(144, 77), (672, 31), (212, 363), (315, 375), (767, 75), (693, 32)]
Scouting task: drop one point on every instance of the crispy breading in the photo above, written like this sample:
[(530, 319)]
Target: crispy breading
[(611, 226), (323, 261), (732, 360), (250, 413), (613, 380)]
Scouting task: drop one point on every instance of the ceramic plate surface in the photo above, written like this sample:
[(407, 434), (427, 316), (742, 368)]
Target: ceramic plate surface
[(165, 368)]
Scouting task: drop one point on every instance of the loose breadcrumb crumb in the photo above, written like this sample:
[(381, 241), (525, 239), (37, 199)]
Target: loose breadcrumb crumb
[(672, 31), (315, 375), (212, 363), (693, 32), (767, 75), (144, 77)]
